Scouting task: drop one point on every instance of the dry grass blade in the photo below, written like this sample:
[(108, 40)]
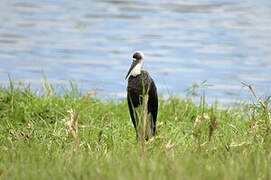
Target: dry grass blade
[(89, 94), (196, 132), (144, 120), (14, 133), (206, 116), (72, 125), (159, 137), (212, 126), (254, 94), (254, 130), (86, 126), (197, 136), (197, 121), (235, 144), (160, 124), (151, 140), (233, 127), (252, 120), (169, 145), (145, 114), (11, 142), (30, 126), (267, 117)]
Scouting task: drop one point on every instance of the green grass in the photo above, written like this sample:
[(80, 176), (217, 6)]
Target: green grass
[(36, 144)]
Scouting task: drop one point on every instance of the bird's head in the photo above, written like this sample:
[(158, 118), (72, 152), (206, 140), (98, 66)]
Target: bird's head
[(136, 65)]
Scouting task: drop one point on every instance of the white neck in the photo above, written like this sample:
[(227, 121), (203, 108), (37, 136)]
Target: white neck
[(137, 69)]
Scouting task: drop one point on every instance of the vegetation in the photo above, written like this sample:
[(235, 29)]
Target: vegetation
[(73, 136)]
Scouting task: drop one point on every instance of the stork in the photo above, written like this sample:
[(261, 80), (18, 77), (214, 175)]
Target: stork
[(141, 85)]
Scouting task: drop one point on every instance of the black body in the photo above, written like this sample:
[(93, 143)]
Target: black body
[(135, 95)]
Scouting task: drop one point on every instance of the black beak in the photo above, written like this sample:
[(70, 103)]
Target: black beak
[(131, 68)]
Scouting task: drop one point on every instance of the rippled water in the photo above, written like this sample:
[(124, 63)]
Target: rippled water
[(184, 42)]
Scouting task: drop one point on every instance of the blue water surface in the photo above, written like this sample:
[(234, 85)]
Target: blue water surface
[(91, 42)]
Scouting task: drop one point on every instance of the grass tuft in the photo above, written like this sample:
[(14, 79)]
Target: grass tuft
[(193, 141)]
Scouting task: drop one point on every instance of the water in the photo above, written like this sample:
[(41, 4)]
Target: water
[(91, 43)]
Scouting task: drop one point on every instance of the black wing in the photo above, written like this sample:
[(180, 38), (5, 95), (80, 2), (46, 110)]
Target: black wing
[(131, 109), (134, 95), (153, 103)]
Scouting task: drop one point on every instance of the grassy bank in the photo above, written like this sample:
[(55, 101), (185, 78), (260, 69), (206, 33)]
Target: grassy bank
[(39, 141)]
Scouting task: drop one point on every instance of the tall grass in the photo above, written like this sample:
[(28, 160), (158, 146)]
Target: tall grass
[(73, 136)]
